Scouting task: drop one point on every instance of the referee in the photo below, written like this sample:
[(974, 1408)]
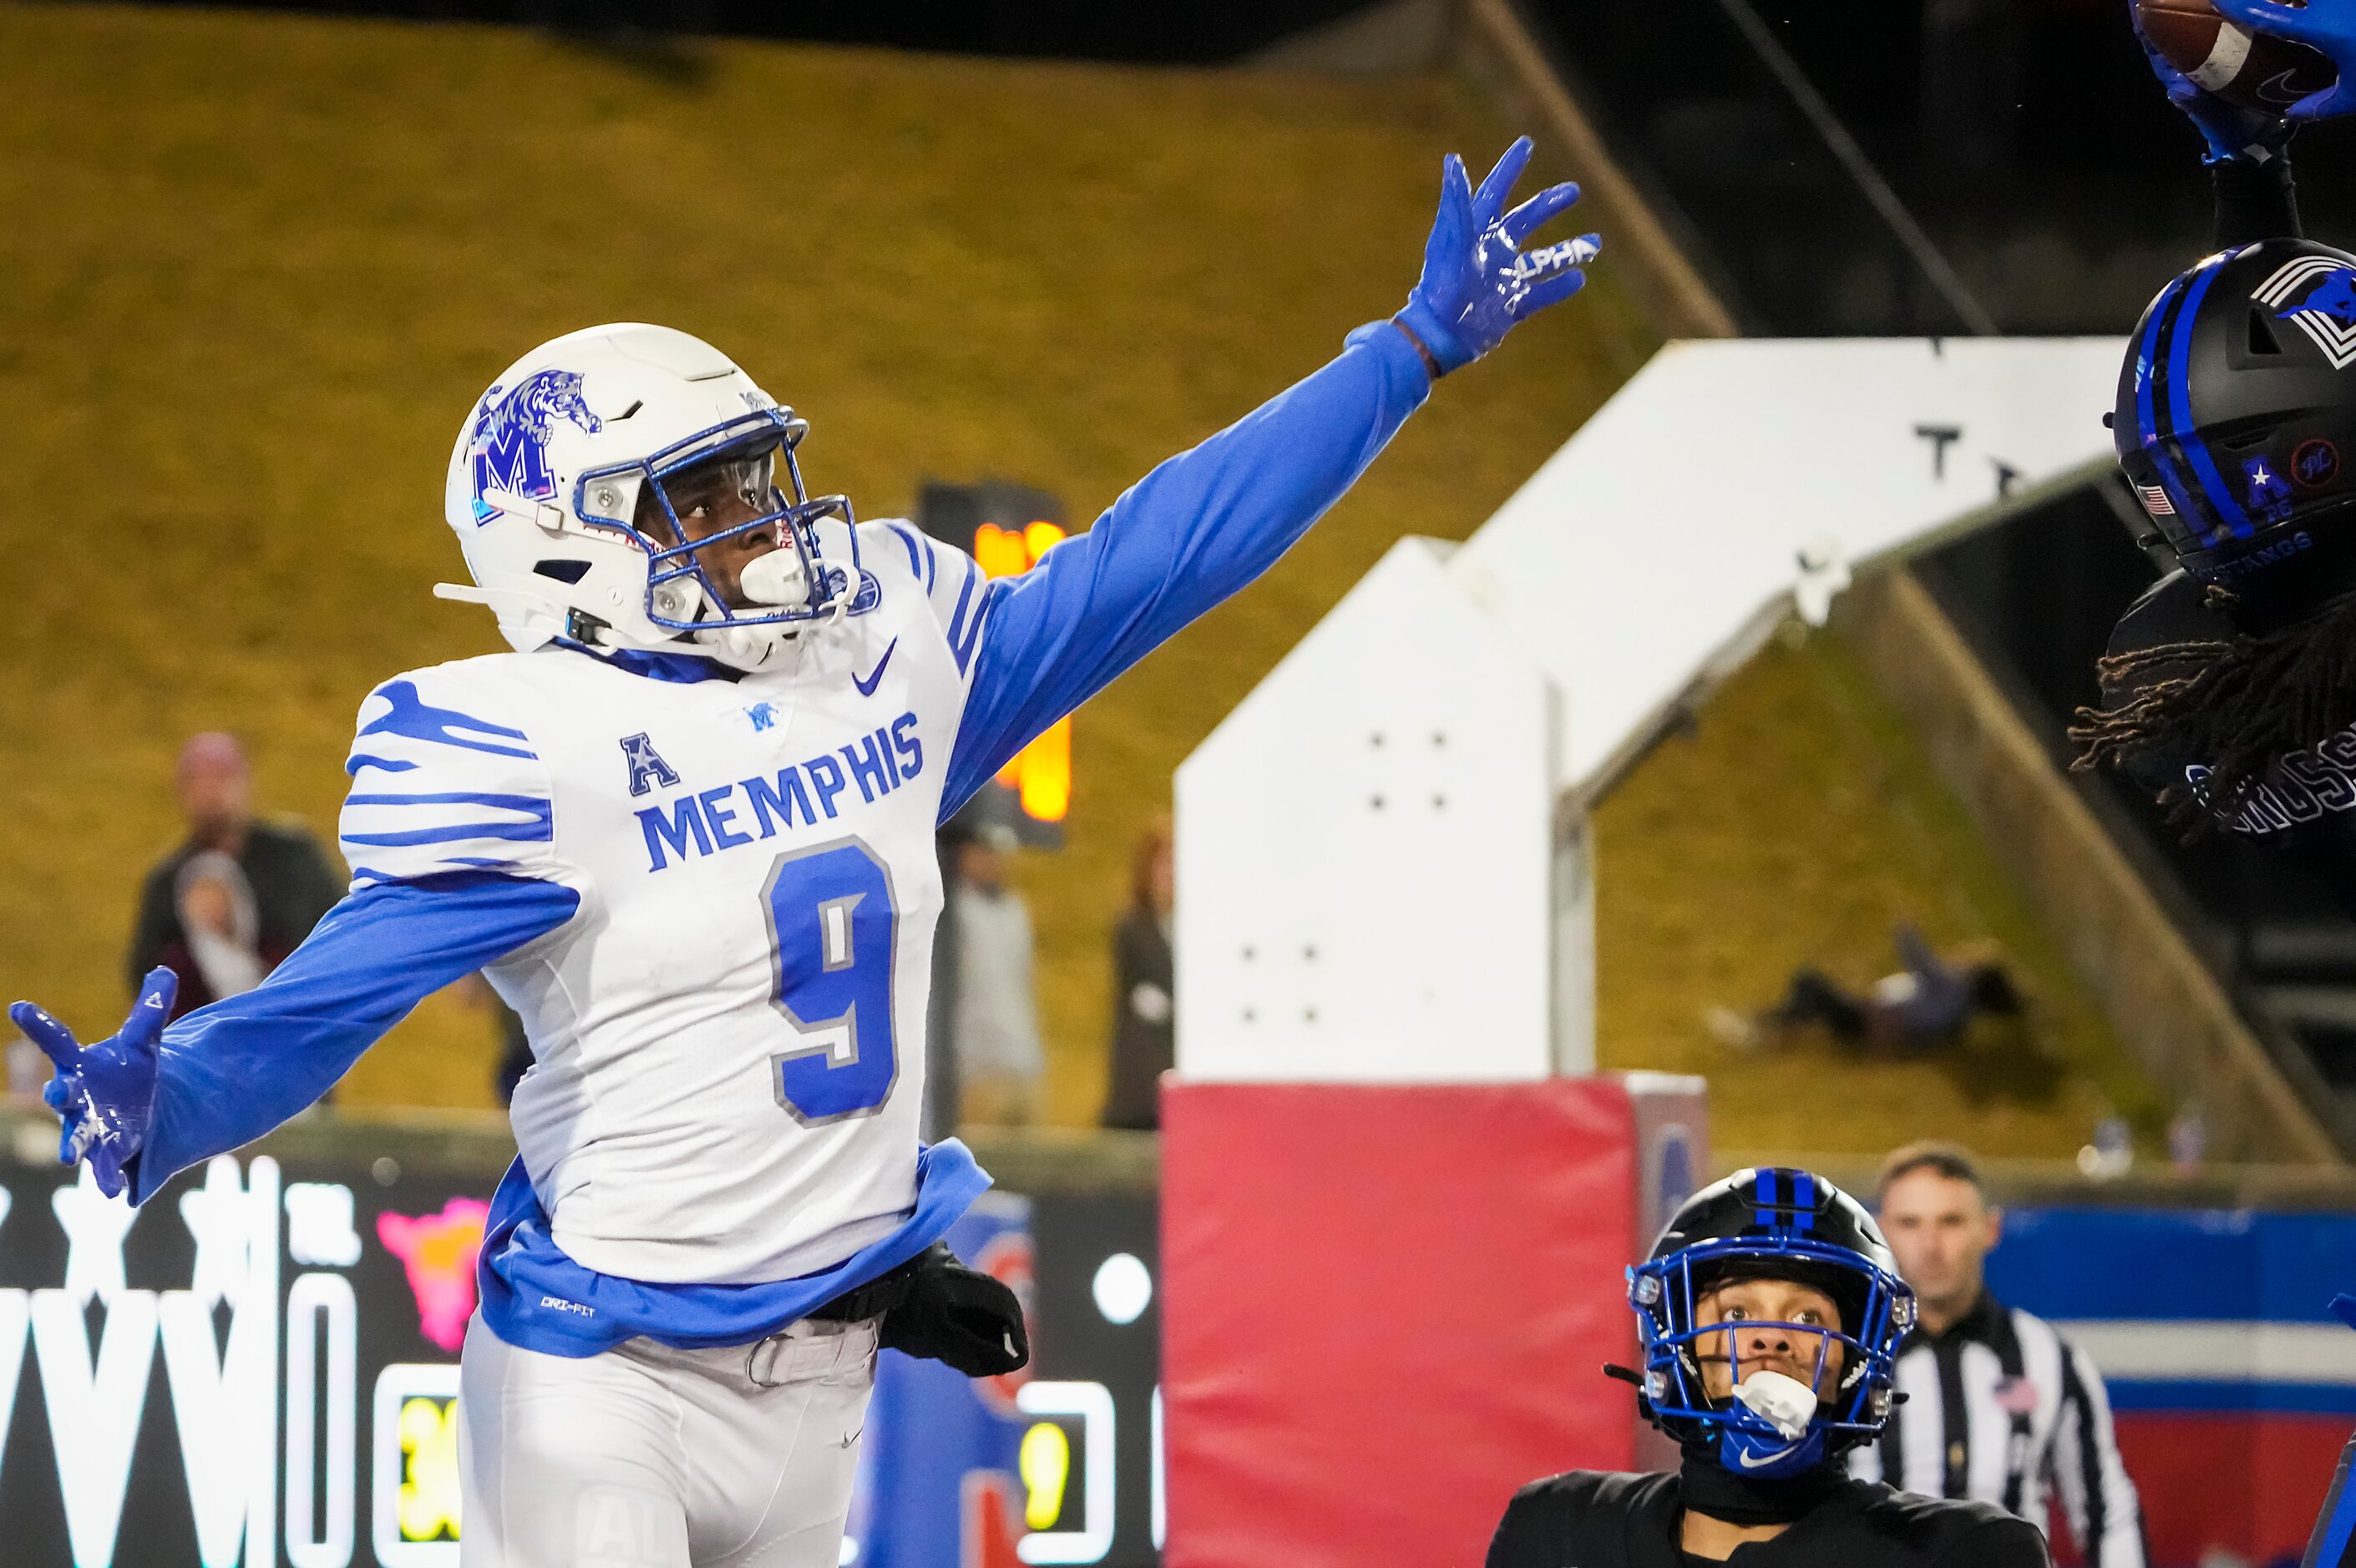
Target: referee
[(1997, 1406)]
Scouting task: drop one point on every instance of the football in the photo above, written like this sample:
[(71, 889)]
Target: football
[(2249, 70)]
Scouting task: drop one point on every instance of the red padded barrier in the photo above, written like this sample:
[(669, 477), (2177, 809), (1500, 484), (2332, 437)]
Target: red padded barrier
[(1385, 1308)]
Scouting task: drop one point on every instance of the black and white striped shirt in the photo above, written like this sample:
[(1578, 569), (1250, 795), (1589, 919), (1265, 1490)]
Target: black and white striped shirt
[(2000, 1408)]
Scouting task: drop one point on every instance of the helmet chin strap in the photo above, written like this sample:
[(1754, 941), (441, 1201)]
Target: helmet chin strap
[(1768, 1456), (1778, 1441), (778, 578), (749, 648)]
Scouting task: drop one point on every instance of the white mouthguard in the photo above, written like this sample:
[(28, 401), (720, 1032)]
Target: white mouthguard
[(1785, 1401), (776, 578)]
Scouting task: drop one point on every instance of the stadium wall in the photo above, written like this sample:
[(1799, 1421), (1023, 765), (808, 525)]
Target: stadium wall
[(2232, 1385)]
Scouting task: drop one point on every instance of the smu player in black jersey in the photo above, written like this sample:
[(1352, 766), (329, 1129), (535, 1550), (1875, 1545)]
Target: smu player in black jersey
[(2229, 689), (1769, 1310)]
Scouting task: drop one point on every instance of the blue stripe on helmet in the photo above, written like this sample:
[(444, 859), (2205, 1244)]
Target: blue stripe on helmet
[(1803, 1198), (1762, 1198), (2148, 432), (2179, 392)]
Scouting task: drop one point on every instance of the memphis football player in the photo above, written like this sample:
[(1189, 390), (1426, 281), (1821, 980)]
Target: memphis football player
[(686, 828)]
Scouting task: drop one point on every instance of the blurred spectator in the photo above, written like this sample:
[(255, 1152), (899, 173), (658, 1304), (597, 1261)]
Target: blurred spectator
[(1923, 1007), (2111, 1154), (29, 1070), (1144, 1023), (994, 1025), (219, 925), (226, 906), (1999, 1406), (2188, 1139)]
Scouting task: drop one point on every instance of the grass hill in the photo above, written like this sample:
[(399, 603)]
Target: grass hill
[(1799, 822), (258, 267)]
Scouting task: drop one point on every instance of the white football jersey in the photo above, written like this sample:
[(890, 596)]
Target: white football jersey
[(729, 1033)]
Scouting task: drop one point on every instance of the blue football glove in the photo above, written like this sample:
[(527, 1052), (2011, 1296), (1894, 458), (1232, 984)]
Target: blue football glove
[(105, 1093), (2326, 26), (1477, 282), (2232, 132)]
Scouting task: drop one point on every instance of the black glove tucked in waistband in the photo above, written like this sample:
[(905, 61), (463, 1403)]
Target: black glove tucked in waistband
[(957, 1315)]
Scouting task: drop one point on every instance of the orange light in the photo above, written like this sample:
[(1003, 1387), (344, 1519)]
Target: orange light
[(1003, 552), (1041, 770), (1040, 537), (999, 551), (1047, 774)]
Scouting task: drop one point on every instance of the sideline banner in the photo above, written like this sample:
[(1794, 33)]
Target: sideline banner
[(2231, 1385), (260, 1368)]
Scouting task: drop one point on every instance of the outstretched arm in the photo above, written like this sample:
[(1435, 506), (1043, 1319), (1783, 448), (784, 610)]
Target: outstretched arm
[(151, 1101), (1192, 532), (1205, 523), (448, 830)]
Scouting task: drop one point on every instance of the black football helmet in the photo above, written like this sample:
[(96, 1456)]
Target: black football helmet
[(1780, 1225), (2236, 417)]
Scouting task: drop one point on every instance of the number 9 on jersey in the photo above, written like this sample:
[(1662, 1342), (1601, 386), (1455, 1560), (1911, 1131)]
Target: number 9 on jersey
[(834, 932)]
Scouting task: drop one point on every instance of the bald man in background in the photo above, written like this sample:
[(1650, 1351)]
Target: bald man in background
[(237, 895)]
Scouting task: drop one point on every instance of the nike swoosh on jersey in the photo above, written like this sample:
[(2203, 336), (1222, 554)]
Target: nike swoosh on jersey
[(867, 688)]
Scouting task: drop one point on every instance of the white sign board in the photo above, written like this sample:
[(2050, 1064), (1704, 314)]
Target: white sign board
[(1678, 516), (1353, 877), (1360, 903)]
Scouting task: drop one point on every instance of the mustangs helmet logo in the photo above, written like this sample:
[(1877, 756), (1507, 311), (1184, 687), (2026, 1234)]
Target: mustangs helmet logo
[(510, 446), (2318, 295)]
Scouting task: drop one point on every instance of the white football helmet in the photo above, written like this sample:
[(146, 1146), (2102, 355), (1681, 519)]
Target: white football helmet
[(556, 491)]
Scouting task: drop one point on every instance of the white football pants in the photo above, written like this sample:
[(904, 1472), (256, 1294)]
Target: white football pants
[(645, 1456)]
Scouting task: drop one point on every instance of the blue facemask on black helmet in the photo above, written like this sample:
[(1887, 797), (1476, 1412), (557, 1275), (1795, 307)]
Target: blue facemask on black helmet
[(1770, 1224)]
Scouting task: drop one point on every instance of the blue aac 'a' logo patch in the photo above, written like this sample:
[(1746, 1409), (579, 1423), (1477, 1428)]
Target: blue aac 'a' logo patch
[(2267, 492), (508, 449), (645, 764)]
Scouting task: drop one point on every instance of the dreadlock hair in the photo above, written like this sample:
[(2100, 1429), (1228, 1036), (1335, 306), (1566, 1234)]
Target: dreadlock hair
[(2239, 705)]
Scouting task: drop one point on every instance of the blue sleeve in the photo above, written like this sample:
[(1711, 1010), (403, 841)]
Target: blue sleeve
[(1194, 531), (229, 1072)]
